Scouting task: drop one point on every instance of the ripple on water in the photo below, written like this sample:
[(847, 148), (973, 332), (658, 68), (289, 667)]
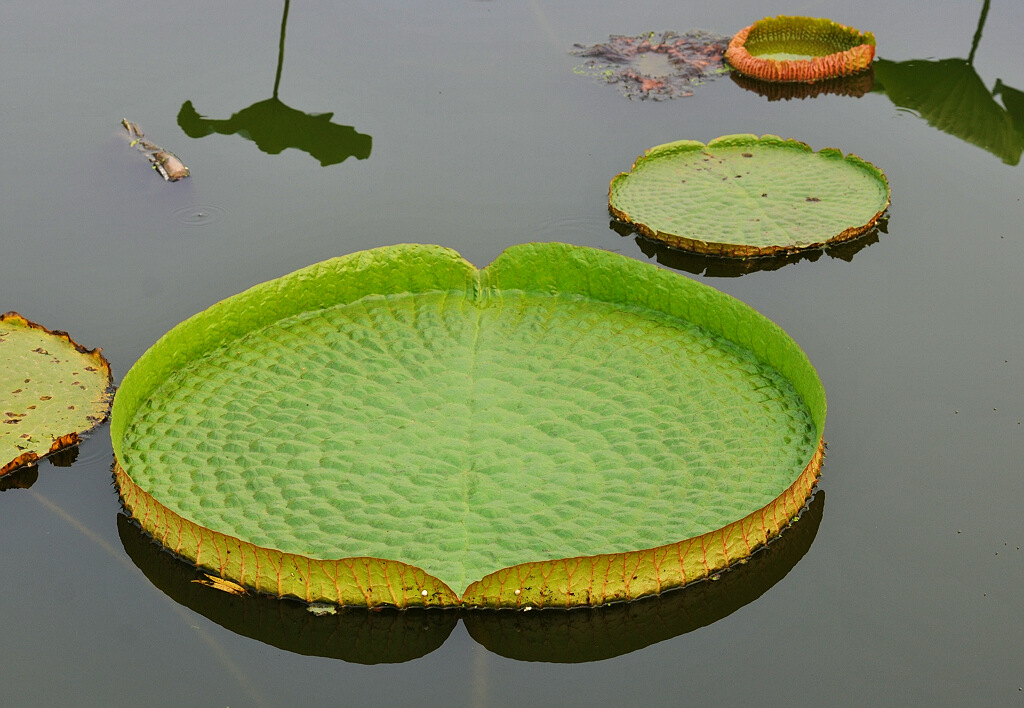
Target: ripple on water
[(198, 215)]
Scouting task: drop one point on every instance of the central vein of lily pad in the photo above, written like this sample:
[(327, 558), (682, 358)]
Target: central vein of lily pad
[(463, 436)]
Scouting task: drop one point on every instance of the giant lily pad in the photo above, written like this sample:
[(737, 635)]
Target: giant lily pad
[(799, 49), (52, 391), (395, 427), (741, 196)]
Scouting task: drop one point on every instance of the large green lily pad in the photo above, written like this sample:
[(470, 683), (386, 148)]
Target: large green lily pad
[(395, 427), (52, 391), (742, 195)]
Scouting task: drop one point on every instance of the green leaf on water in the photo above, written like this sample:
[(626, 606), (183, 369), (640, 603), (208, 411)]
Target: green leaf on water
[(741, 196), (52, 391), (396, 427)]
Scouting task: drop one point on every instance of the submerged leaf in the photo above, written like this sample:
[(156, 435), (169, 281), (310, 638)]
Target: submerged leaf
[(388, 427), (741, 196), (52, 391)]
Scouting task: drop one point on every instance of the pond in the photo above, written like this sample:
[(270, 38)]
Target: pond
[(469, 124)]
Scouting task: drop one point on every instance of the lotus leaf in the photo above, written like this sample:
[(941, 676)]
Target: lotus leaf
[(799, 49), (52, 390), (396, 427), (741, 196)]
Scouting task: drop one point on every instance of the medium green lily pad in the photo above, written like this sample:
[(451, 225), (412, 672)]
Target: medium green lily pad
[(52, 391), (741, 196), (564, 427)]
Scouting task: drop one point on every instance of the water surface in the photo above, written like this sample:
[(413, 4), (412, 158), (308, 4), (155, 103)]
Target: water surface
[(481, 136)]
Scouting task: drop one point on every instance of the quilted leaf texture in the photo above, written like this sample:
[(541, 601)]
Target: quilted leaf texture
[(398, 428), (742, 195), (806, 49)]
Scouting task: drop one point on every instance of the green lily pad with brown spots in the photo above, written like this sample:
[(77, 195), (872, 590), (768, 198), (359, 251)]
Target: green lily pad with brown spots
[(52, 391), (742, 196)]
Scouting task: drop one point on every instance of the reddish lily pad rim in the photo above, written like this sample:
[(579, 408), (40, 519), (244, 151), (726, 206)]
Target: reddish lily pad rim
[(850, 61)]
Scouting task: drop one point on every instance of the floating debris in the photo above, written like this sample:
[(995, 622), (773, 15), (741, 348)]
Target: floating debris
[(165, 162), (656, 67)]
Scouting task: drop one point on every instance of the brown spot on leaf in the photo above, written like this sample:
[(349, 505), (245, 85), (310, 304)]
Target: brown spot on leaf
[(812, 199)]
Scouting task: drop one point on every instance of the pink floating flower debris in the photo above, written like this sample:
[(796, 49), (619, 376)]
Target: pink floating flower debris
[(656, 67)]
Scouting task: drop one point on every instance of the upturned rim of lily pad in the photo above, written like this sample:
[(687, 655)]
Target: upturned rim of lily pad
[(856, 50), (649, 223), (549, 270)]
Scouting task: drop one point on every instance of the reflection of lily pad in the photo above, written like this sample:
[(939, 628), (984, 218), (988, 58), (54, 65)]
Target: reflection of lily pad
[(393, 636), (605, 632), (718, 267), (799, 49), (361, 637), (52, 390), (428, 423), (855, 86), (741, 196)]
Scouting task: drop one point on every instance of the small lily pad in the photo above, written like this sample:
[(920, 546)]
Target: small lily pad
[(565, 427), (741, 196), (800, 49), (52, 391)]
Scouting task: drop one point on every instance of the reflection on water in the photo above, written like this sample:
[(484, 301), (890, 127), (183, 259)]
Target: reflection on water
[(715, 267), (20, 479), (951, 96), (948, 93), (356, 635), (274, 126), (855, 85), (391, 636)]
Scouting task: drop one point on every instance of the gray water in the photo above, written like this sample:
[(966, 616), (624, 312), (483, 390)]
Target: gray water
[(907, 589)]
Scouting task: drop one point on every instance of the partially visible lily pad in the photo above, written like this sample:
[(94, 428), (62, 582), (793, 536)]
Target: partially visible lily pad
[(52, 391), (565, 427), (742, 196)]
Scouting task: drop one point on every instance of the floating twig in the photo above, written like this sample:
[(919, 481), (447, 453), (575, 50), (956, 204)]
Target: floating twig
[(165, 162)]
